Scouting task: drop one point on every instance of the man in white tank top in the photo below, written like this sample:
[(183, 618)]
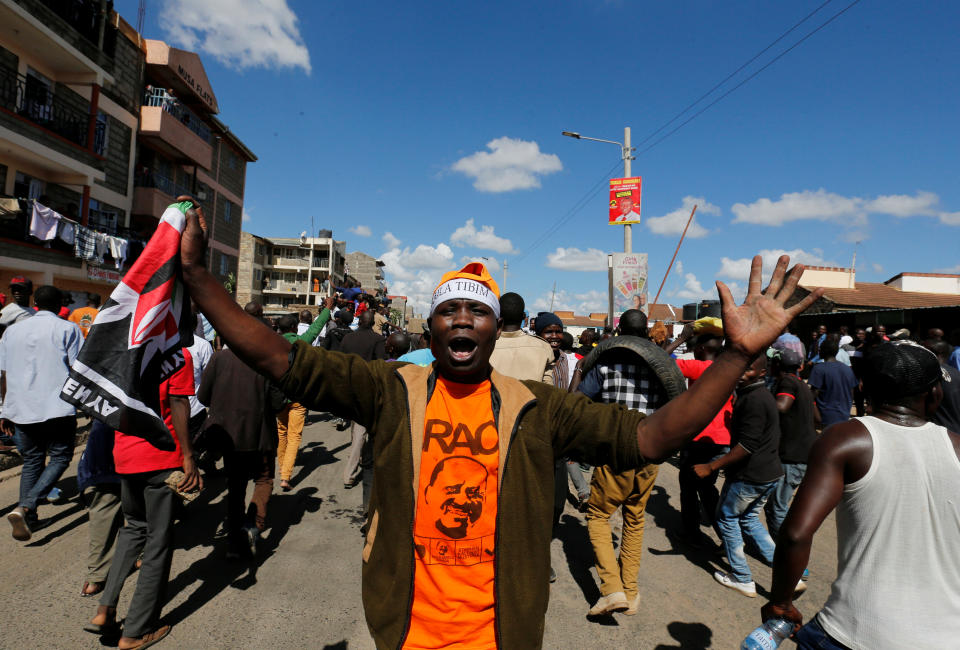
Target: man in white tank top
[(894, 478)]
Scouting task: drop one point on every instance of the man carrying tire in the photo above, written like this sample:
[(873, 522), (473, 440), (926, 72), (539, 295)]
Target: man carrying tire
[(621, 377)]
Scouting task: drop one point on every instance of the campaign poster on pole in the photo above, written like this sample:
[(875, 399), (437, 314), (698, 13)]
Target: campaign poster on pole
[(629, 283), (624, 200)]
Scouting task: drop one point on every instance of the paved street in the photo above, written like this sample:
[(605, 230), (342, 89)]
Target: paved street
[(304, 589)]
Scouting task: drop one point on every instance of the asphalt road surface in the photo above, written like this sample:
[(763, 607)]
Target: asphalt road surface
[(303, 590)]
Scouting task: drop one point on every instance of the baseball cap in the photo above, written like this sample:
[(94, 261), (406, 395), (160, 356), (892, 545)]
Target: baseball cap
[(787, 357), (19, 279), (902, 368)]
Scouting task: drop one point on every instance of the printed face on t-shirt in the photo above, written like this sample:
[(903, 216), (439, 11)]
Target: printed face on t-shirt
[(455, 494)]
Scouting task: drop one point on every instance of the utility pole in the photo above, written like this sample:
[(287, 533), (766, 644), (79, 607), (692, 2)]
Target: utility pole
[(627, 157), (554, 294), (504, 274)]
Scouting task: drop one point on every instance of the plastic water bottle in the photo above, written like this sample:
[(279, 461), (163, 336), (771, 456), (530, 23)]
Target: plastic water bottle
[(768, 636)]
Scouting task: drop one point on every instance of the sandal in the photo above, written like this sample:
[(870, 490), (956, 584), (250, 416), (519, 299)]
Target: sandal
[(110, 628), (91, 589), (285, 485), (148, 640)]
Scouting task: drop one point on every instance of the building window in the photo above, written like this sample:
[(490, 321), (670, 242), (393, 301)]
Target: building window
[(100, 134), (257, 275), (227, 211), (27, 187), (224, 265), (38, 93)]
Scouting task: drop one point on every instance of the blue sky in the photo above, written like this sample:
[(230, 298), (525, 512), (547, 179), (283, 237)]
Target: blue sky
[(433, 131)]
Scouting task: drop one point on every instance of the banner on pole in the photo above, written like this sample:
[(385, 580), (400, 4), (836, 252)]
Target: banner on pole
[(624, 200), (629, 283)]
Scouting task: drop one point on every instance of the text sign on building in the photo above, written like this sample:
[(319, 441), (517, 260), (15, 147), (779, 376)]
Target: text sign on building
[(629, 283), (103, 275), (624, 200)]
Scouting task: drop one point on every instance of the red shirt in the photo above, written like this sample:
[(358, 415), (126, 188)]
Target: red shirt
[(719, 428), (132, 454)]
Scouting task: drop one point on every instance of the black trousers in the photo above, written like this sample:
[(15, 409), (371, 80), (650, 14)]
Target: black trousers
[(147, 505), (694, 490)]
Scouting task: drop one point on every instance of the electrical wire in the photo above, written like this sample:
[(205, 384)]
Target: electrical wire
[(734, 73), (595, 188)]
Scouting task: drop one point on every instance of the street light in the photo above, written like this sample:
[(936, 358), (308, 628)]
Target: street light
[(504, 286), (626, 153)]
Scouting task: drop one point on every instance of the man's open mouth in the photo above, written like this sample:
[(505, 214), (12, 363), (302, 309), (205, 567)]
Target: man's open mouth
[(462, 349)]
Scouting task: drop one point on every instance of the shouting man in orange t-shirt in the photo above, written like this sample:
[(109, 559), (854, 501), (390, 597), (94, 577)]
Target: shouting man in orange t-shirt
[(458, 542)]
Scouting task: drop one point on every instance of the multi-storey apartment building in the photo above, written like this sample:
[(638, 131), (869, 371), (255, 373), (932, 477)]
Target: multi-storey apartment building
[(283, 272), (368, 271), (85, 132), (185, 149)]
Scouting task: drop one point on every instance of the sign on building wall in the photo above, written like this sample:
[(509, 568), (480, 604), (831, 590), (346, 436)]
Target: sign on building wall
[(103, 275), (629, 283), (624, 200)]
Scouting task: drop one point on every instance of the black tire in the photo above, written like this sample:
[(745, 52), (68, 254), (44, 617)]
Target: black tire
[(650, 353)]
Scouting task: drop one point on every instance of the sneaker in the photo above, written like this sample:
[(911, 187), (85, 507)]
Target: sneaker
[(18, 519), (800, 588), (634, 606), (615, 602), (553, 575), (748, 589), (253, 537), (806, 574), (53, 496)]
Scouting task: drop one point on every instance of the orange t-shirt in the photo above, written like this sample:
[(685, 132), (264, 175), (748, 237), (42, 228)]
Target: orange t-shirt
[(84, 317), (456, 521)]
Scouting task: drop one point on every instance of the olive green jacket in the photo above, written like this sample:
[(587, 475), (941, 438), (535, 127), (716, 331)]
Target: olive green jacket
[(537, 423)]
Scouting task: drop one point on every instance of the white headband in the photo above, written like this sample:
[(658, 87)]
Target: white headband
[(468, 289)]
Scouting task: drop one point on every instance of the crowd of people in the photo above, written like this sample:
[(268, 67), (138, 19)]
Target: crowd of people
[(471, 437)]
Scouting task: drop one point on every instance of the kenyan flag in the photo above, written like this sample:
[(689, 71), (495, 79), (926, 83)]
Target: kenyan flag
[(136, 340)]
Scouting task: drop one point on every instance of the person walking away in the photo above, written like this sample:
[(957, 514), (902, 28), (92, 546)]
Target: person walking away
[(291, 418), (752, 471), (621, 377), (147, 501), (83, 317), (518, 354), (893, 478), (243, 413), (832, 383), (488, 493), (368, 345), (797, 433), (18, 309), (201, 352), (699, 495), (35, 358), (948, 414), (99, 486)]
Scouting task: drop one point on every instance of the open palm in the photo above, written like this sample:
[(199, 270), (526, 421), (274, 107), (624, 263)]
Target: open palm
[(754, 325)]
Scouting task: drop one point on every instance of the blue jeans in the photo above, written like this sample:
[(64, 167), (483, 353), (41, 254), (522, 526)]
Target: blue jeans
[(579, 481), (53, 438), (738, 515), (779, 503), (813, 637)]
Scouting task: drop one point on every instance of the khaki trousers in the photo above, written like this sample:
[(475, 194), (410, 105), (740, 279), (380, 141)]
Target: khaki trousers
[(608, 491), (106, 519), (289, 431)]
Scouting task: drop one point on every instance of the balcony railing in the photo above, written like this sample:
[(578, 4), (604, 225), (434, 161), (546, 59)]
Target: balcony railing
[(280, 285), (160, 97), (156, 180), (30, 98), (291, 261), (85, 17)]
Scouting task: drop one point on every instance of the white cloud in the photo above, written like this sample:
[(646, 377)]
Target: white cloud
[(846, 210), (739, 269), (511, 164), (904, 205), (418, 288), (574, 259), (672, 223), (239, 33), (360, 231), (580, 303), (953, 269), (794, 206), (692, 289), (390, 241), (878, 268), (246, 216), (415, 273), (485, 239), (678, 268)]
